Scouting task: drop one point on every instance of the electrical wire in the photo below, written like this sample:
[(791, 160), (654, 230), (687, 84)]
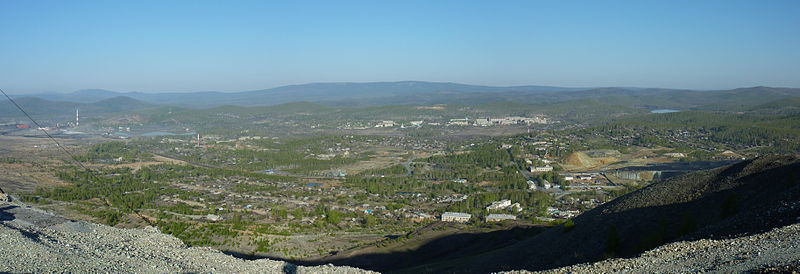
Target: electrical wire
[(72, 157)]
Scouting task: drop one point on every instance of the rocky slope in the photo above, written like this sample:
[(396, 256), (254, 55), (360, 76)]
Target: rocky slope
[(774, 251), (34, 241)]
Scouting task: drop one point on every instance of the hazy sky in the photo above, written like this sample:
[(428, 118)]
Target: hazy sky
[(155, 46)]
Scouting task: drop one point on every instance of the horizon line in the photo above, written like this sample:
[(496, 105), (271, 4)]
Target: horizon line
[(389, 82)]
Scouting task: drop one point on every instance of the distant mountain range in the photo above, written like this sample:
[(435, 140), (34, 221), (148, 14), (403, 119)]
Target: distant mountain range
[(422, 93), (332, 93)]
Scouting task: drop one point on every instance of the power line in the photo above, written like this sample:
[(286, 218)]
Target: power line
[(72, 157)]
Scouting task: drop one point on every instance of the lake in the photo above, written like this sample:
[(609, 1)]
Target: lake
[(664, 111)]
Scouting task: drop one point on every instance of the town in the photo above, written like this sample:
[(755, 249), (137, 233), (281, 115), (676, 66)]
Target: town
[(301, 183)]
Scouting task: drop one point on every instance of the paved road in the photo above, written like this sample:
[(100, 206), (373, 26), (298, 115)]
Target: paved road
[(407, 164)]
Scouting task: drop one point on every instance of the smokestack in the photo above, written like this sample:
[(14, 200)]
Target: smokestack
[(77, 118)]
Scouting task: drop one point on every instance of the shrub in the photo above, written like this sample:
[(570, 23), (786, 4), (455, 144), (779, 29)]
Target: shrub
[(569, 225)]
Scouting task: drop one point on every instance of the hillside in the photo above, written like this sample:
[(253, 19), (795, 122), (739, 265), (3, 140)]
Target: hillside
[(774, 251), (722, 219), (36, 241), (39, 107), (778, 107), (750, 197)]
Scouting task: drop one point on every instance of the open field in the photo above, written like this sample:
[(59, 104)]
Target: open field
[(611, 159)]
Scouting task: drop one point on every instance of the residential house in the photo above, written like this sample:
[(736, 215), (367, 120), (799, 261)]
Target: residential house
[(502, 204)]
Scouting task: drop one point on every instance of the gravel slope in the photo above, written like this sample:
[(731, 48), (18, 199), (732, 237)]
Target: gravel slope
[(36, 241), (776, 248)]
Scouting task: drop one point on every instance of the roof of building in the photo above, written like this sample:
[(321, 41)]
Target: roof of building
[(501, 216), (457, 214)]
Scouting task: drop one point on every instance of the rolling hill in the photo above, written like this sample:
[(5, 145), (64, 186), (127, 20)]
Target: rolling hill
[(313, 92), (39, 107)]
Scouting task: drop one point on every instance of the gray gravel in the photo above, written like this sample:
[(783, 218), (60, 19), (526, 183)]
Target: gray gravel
[(30, 242), (778, 247)]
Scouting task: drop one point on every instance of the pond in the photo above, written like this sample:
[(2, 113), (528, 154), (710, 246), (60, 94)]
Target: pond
[(664, 111), (165, 133)]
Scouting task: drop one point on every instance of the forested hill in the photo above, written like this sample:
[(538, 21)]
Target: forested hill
[(41, 107), (753, 130)]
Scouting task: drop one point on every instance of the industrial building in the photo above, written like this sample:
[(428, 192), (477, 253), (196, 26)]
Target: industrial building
[(546, 168)]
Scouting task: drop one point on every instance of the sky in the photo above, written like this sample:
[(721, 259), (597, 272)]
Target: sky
[(183, 46)]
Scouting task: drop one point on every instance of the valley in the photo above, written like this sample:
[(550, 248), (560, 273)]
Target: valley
[(399, 136), (315, 184)]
